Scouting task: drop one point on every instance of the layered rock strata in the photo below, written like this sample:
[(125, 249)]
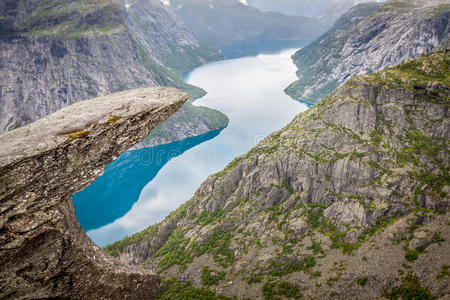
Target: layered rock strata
[(44, 252)]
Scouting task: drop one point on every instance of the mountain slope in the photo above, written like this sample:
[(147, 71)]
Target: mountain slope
[(339, 8), (371, 41), (223, 22), (44, 252), (349, 199), (54, 54)]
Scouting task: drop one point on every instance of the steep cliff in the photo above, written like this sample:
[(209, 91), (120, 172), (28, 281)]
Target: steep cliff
[(44, 252), (349, 201), (223, 22), (56, 53), (339, 8), (368, 39)]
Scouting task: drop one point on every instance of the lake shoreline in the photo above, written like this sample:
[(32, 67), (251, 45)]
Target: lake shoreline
[(133, 207)]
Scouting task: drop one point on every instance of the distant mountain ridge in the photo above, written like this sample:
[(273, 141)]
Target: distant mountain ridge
[(339, 8), (328, 11), (366, 39), (57, 53), (223, 22)]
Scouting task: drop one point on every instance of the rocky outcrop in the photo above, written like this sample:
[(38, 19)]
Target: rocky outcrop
[(44, 252), (368, 39), (55, 54), (348, 201)]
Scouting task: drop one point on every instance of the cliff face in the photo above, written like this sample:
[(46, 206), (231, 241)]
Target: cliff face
[(349, 199), (53, 54), (339, 8), (167, 40), (368, 39), (45, 74), (44, 252)]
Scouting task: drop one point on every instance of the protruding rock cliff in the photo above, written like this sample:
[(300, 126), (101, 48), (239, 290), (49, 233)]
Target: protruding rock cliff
[(349, 201), (56, 53), (44, 253), (368, 39)]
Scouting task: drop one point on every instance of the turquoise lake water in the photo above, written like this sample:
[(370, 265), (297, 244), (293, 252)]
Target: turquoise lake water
[(143, 186)]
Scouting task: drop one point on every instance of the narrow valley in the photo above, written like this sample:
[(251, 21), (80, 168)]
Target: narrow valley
[(249, 90)]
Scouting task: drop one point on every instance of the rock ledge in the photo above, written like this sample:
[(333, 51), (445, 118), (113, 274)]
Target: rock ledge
[(44, 253)]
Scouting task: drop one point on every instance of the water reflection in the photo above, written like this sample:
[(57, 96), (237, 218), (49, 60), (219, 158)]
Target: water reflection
[(114, 193), (249, 91)]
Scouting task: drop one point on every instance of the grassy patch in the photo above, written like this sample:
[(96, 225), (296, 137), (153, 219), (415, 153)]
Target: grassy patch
[(274, 290), (376, 137), (115, 248), (316, 247), (411, 255), (288, 187), (281, 268), (255, 278), (362, 281), (218, 247), (174, 251), (444, 273), (409, 289), (173, 289), (208, 217), (211, 277), (314, 214)]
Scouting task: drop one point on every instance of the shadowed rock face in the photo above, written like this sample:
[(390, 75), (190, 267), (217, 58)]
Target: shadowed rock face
[(44, 252)]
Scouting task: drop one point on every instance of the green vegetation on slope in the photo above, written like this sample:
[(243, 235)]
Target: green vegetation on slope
[(283, 230), (173, 289), (72, 19), (409, 289), (189, 116), (115, 248), (272, 290)]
